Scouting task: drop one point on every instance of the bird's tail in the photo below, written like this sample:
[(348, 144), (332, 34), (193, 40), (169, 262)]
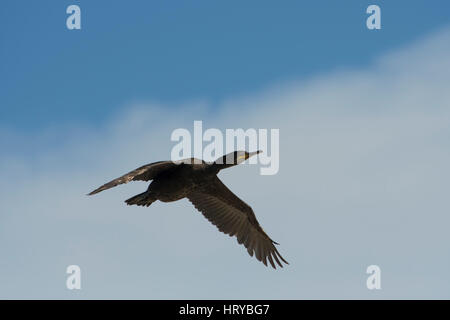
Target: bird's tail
[(142, 199)]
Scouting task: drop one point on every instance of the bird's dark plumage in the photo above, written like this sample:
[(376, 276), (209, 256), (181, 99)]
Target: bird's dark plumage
[(197, 180), (144, 173)]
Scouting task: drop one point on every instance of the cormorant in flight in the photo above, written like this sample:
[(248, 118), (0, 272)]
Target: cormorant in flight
[(197, 180)]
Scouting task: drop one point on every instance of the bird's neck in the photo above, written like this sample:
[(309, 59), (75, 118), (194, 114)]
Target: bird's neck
[(216, 167)]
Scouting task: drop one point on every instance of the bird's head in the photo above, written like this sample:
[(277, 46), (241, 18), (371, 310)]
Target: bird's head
[(234, 158)]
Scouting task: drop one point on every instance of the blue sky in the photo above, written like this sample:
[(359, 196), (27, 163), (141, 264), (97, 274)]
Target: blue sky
[(364, 124), (170, 53)]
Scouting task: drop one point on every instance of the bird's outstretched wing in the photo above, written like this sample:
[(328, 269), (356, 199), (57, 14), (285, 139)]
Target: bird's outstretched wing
[(234, 217), (144, 173)]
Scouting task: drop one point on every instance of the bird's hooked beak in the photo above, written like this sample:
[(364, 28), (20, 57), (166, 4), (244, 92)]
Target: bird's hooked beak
[(249, 154)]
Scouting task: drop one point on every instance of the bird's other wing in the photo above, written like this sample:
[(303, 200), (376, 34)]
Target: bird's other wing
[(144, 173), (234, 217)]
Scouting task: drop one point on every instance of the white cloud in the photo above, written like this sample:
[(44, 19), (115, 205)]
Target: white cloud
[(363, 180)]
